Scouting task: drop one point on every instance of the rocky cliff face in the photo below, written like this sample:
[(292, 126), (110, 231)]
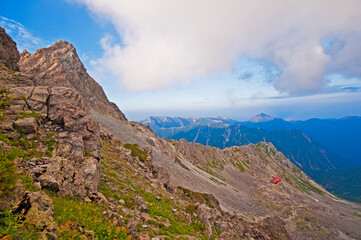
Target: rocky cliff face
[(59, 65), (9, 55)]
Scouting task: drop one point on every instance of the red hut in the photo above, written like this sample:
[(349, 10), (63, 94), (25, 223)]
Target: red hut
[(276, 180)]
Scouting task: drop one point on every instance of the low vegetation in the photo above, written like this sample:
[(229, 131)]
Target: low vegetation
[(356, 214), (120, 183), (33, 114), (14, 227), (74, 216), (136, 152)]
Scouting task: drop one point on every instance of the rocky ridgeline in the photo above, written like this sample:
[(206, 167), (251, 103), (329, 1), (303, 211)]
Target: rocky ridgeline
[(59, 65)]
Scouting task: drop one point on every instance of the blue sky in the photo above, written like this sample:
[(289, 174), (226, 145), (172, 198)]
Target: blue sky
[(294, 60)]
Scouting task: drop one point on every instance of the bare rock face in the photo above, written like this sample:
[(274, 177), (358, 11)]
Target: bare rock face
[(59, 65), (67, 177), (9, 55), (74, 143)]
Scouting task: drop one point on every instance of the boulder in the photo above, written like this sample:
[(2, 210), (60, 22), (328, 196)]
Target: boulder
[(26, 125)]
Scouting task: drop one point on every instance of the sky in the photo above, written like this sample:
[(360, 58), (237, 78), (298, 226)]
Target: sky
[(235, 58)]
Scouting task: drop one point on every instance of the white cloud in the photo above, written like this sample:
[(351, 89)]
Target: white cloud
[(166, 42), (23, 38)]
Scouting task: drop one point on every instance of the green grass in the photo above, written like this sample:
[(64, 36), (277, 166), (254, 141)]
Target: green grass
[(357, 214), (27, 182), (217, 181), (240, 166), (8, 175), (6, 69), (13, 227), (4, 97), (191, 208), (159, 209), (207, 199), (136, 152), (306, 186), (33, 114), (87, 153), (70, 212), (50, 143)]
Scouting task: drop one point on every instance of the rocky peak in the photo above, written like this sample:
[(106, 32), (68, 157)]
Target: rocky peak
[(9, 55), (59, 65), (262, 117)]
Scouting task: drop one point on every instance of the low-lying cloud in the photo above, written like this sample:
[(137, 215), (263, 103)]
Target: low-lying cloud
[(167, 42)]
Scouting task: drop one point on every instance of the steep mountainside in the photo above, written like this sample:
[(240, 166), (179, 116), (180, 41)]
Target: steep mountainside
[(339, 135), (68, 171), (344, 182), (59, 65), (303, 151), (239, 178)]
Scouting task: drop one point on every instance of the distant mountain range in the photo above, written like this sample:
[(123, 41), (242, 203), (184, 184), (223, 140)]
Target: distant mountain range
[(317, 146), (170, 122), (342, 136)]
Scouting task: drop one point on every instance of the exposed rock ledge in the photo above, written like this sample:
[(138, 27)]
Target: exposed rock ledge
[(74, 168)]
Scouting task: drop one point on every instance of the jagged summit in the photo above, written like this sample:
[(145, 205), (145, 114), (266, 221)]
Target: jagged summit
[(59, 65), (262, 117)]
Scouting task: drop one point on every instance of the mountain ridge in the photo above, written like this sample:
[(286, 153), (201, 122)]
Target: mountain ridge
[(340, 135), (59, 65), (76, 172)]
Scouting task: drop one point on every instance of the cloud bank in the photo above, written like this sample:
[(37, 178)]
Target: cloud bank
[(167, 42)]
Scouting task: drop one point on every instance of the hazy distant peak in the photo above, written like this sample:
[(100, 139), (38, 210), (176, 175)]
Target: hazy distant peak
[(262, 117)]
